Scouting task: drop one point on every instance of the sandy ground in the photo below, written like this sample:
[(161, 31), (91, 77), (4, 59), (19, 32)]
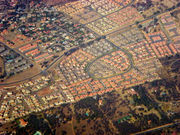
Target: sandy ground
[(23, 75)]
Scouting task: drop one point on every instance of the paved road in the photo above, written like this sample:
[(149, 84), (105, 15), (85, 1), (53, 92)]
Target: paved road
[(68, 50), (40, 73), (156, 128), (102, 16), (117, 48)]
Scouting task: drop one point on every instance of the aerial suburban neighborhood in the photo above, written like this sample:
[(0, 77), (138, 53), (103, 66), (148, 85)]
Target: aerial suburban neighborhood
[(89, 67)]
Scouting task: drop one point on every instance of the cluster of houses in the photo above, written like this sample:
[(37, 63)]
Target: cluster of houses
[(14, 63)]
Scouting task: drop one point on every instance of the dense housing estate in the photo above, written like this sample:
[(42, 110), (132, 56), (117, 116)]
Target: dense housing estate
[(65, 52)]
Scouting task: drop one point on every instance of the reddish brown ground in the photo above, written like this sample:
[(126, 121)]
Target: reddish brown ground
[(1, 66), (44, 91), (55, 2)]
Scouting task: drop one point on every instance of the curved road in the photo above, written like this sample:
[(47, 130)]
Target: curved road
[(2, 84)]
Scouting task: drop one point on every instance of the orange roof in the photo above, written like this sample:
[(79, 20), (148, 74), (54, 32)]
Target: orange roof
[(22, 122)]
